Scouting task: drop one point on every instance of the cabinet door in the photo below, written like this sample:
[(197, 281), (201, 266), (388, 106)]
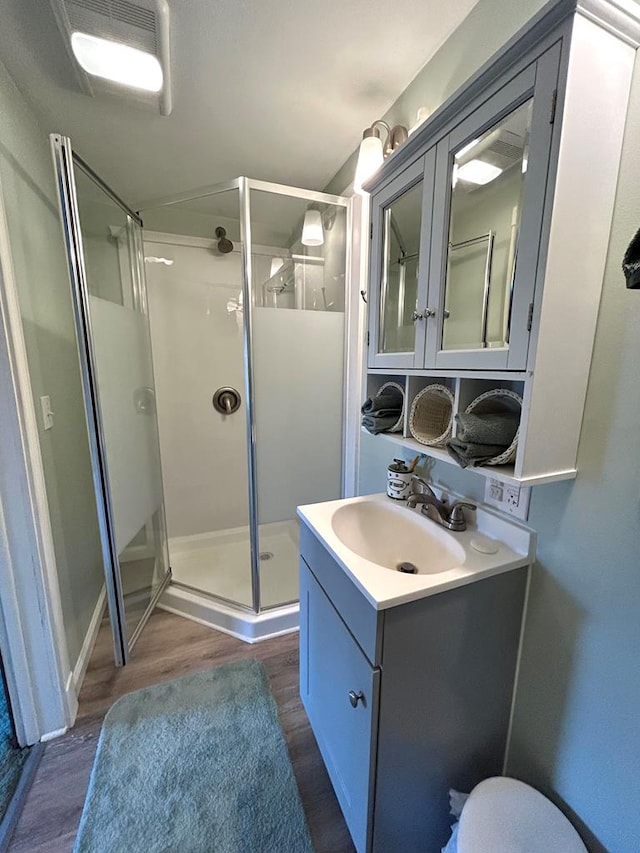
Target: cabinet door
[(400, 237), (332, 667), (489, 203)]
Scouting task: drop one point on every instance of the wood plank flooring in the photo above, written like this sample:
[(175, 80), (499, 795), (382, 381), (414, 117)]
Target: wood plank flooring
[(169, 647)]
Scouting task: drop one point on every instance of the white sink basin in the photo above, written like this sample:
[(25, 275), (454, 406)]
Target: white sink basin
[(369, 536), (390, 536)]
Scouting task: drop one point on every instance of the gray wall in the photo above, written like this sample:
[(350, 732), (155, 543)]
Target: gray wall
[(575, 733), (40, 269)]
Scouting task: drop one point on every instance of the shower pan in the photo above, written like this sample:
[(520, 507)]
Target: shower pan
[(248, 352)]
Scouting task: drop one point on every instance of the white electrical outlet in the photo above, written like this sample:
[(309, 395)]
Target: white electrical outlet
[(513, 500)]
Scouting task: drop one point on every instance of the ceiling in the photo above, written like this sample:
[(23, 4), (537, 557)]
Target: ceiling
[(278, 90)]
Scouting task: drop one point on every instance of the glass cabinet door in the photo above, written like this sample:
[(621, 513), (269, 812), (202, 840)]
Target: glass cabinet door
[(490, 183), (401, 225)]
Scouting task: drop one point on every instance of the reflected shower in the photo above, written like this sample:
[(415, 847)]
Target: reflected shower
[(224, 243)]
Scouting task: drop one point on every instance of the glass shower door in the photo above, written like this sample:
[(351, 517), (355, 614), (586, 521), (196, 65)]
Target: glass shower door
[(297, 335), (104, 246)]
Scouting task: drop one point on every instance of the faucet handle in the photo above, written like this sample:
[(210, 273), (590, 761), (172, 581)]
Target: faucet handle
[(456, 514)]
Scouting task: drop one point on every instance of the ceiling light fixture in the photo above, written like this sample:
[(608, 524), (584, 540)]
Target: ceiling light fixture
[(312, 230), (372, 151), (477, 172), (120, 63)]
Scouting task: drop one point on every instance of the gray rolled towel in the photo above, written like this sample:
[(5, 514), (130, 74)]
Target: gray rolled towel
[(494, 428), (379, 423), (386, 402), (470, 454)]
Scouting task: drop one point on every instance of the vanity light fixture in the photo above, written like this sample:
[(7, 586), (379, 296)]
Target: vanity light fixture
[(118, 62), (312, 230), (372, 151)]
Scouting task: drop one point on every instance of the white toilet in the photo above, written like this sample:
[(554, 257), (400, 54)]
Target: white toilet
[(506, 816)]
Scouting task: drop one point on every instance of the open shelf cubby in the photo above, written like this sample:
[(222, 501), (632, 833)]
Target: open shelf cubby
[(465, 390)]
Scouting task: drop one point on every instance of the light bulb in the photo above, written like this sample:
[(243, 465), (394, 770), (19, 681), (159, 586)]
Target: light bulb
[(312, 233), (118, 62), (370, 159)]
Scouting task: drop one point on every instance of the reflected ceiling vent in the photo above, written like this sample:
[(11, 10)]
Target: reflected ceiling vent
[(119, 46)]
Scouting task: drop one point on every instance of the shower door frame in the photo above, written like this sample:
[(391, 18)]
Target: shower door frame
[(244, 186), (65, 161)]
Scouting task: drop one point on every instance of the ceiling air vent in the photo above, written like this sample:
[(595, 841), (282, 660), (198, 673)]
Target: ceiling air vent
[(141, 24)]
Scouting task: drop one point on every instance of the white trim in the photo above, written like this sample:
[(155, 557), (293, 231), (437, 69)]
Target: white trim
[(34, 643), (80, 669), (53, 735), (164, 54), (621, 18), (516, 676), (356, 323)]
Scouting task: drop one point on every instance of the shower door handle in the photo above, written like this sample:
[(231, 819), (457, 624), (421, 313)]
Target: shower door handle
[(226, 400)]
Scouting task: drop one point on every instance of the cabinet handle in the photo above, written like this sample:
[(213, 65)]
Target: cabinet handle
[(354, 698)]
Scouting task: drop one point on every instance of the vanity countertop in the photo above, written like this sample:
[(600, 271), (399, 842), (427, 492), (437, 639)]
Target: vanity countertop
[(395, 525)]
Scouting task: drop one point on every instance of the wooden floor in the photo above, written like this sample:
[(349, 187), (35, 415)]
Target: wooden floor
[(169, 647)]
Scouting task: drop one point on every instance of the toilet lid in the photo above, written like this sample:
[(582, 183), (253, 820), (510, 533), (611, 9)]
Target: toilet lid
[(506, 816)]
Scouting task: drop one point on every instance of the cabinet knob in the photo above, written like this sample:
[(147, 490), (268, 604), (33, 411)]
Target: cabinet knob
[(354, 698), (423, 315)]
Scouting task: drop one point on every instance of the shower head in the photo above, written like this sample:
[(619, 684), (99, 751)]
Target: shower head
[(224, 244)]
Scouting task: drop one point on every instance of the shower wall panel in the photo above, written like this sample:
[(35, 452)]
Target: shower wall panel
[(197, 347), (297, 370)]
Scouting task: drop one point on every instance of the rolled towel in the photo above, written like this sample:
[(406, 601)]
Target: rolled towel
[(386, 402), (469, 454), (379, 423), (494, 428)]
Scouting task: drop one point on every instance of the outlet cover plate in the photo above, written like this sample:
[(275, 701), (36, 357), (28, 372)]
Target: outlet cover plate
[(512, 500)]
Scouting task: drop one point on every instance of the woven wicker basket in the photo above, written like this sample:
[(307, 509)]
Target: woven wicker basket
[(431, 416), (399, 424), (493, 402)]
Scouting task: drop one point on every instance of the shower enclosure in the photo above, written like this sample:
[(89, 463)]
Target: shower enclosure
[(213, 390), (248, 348)]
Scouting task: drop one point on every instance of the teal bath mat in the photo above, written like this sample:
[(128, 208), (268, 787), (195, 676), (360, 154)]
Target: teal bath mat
[(193, 765)]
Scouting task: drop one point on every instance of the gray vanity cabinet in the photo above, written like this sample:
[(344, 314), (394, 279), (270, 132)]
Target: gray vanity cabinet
[(408, 702), (453, 273)]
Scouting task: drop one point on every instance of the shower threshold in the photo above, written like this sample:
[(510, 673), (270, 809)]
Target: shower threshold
[(211, 581)]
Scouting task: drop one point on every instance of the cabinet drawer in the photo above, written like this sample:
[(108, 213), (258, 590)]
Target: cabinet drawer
[(364, 621), (332, 666)]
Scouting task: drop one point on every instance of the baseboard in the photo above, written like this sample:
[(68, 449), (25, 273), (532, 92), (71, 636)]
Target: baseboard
[(80, 669), (53, 735)]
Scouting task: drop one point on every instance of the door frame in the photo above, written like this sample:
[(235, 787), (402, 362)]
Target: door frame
[(34, 647)]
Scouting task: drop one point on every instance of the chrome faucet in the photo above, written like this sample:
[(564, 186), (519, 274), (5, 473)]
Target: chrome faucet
[(450, 516)]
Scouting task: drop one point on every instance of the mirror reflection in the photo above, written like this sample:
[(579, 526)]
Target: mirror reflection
[(402, 221), (486, 203)]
